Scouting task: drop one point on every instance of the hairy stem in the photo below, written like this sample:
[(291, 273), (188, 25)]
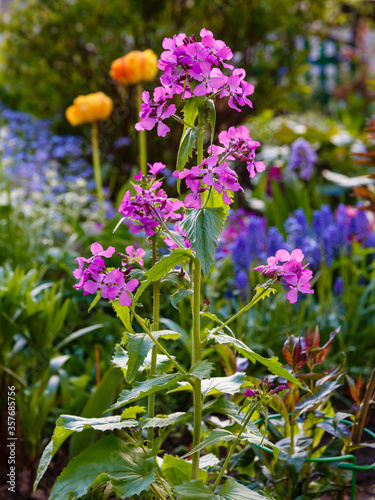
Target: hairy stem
[(235, 443), (154, 353), (142, 144), (97, 170)]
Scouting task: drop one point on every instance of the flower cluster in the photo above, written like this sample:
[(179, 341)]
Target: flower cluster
[(293, 274), (266, 388), (150, 208), (192, 68), (112, 284), (214, 171), (302, 157)]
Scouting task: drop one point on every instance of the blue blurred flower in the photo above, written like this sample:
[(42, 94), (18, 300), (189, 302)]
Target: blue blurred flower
[(302, 157)]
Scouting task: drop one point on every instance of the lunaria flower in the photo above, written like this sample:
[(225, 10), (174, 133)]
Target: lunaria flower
[(296, 277), (113, 285)]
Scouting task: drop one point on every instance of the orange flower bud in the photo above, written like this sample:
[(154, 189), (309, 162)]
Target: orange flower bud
[(135, 67), (89, 108)]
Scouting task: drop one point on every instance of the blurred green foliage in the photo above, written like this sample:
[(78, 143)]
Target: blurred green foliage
[(60, 49)]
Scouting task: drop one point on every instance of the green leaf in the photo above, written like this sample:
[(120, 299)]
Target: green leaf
[(319, 397), (213, 316), (138, 346), (235, 491), (217, 385), (187, 144), (141, 389), (95, 301), (129, 471), (103, 396), (132, 412), (272, 364), (179, 295), (166, 334), (211, 117), (121, 358), (202, 369), (78, 424), (101, 491), (57, 440), (203, 228), (194, 490), (214, 437), (190, 112), (161, 268), (164, 421), (176, 471), (124, 314)]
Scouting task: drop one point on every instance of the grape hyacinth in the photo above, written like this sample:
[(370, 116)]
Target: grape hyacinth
[(302, 157)]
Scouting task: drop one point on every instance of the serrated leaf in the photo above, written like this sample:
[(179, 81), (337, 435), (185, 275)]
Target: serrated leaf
[(217, 385), (166, 334), (262, 291), (132, 412), (211, 117), (141, 389), (216, 200), (101, 491), (78, 424), (124, 314), (272, 364), (176, 470), (164, 421), (120, 359), (203, 228), (127, 469), (138, 346), (202, 369), (179, 295)]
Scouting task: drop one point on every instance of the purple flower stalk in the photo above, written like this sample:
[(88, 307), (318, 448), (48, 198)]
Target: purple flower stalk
[(302, 157)]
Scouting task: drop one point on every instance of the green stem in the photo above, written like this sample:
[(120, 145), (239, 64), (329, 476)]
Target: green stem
[(156, 342), (235, 443), (197, 345), (292, 422), (244, 309), (196, 356), (142, 144), (154, 353), (97, 171)]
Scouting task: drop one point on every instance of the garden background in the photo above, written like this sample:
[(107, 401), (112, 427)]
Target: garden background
[(312, 64)]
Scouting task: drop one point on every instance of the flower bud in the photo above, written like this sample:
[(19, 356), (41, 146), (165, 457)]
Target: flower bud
[(135, 67), (89, 108)]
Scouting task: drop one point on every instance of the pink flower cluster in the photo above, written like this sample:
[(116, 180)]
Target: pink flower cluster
[(193, 68), (294, 275), (214, 171), (112, 284), (151, 207)]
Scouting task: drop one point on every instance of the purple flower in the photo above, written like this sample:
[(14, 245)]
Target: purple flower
[(302, 157), (296, 277)]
